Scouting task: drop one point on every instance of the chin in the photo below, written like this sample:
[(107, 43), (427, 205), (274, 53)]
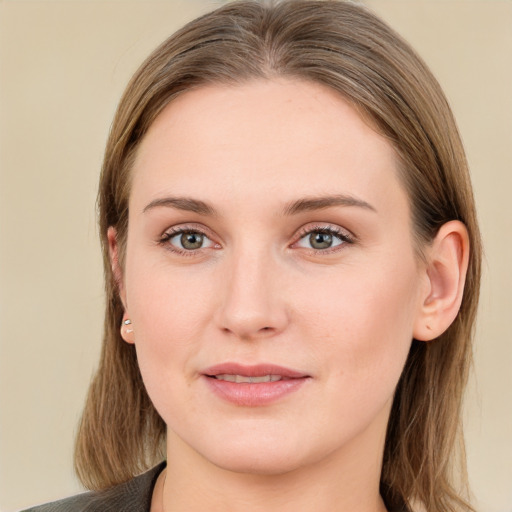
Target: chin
[(258, 462), (264, 455)]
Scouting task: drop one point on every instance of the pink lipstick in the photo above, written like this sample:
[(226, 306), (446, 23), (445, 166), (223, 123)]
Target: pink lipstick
[(253, 385)]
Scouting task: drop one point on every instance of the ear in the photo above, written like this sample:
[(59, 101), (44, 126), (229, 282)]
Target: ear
[(445, 272), (113, 250)]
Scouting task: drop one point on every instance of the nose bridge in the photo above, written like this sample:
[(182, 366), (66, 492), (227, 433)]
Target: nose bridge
[(252, 304)]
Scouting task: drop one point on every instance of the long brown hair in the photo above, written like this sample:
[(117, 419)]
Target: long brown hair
[(346, 47)]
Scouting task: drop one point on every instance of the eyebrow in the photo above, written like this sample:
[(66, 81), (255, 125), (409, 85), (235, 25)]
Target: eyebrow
[(298, 206), (318, 203), (183, 203)]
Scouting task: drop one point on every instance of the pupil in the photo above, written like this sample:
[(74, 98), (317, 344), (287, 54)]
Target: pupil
[(320, 240), (191, 240)]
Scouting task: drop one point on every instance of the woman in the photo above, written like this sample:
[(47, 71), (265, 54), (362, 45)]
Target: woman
[(292, 268)]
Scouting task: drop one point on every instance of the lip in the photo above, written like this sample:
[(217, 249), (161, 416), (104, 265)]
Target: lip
[(254, 370), (253, 394)]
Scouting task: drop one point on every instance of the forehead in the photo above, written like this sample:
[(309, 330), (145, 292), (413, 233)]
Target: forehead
[(281, 136)]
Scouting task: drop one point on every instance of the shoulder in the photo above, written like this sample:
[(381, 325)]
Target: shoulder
[(132, 496)]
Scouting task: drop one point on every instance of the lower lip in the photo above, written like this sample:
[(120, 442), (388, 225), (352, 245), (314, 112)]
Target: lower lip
[(254, 394)]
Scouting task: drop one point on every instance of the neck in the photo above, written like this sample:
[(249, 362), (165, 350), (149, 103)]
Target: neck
[(342, 481)]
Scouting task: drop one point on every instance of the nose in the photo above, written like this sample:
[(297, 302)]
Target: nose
[(252, 303)]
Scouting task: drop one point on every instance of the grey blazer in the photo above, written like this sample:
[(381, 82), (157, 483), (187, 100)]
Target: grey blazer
[(132, 496)]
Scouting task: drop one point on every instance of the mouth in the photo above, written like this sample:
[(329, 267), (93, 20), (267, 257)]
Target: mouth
[(243, 379), (253, 385)]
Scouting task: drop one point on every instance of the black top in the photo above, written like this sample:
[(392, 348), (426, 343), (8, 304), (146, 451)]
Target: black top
[(132, 496)]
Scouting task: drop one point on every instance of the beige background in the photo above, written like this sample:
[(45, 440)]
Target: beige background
[(63, 65)]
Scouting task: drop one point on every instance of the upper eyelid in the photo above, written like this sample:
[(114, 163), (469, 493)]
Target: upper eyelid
[(337, 230), (304, 230), (183, 228)]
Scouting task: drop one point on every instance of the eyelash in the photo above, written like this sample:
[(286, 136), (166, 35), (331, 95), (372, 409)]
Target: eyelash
[(334, 231), (168, 235)]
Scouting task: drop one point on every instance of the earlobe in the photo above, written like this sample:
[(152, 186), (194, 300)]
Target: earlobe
[(127, 331), (446, 268)]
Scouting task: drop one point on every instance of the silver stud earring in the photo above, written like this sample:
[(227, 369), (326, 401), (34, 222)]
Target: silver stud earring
[(128, 322)]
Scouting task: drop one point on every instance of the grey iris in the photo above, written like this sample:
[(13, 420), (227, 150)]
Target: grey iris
[(191, 240), (320, 240)]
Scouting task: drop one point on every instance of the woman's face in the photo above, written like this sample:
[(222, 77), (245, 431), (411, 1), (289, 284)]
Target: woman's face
[(269, 235)]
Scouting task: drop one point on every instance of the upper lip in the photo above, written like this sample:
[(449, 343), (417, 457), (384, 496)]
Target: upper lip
[(256, 370)]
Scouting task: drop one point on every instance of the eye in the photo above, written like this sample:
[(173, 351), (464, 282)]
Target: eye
[(186, 240), (324, 238)]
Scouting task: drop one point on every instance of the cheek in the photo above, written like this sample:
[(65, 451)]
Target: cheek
[(168, 311), (165, 302), (363, 323)]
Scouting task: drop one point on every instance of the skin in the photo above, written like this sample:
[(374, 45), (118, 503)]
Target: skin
[(257, 292)]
